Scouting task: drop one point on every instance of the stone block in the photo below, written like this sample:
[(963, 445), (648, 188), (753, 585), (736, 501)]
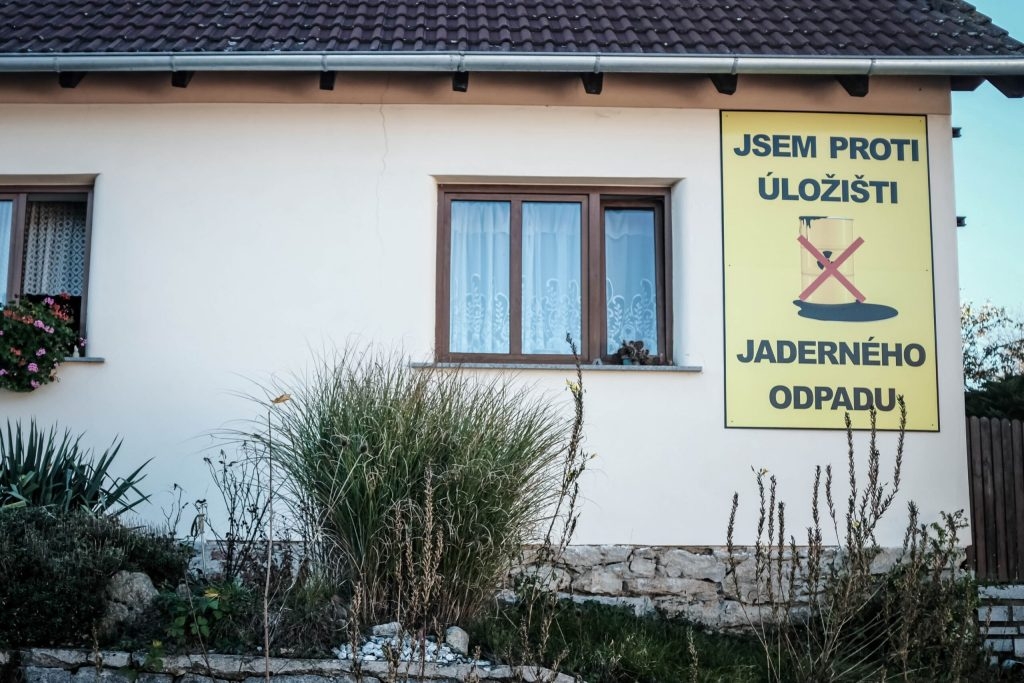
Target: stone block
[(552, 578), (307, 678), (886, 559), (692, 589), (616, 553), (677, 563), (992, 614), (1018, 648), (999, 644), (457, 639), (1014, 592), (600, 581), (538, 674), (643, 553), (110, 659), (1002, 631), (642, 567), (1017, 613), (641, 606), (583, 557), (55, 657), (90, 674), (37, 674)]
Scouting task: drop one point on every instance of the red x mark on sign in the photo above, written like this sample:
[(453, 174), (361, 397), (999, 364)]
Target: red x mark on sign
[(830, 268)]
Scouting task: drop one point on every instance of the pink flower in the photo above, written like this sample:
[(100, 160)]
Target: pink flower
[(35, 384), (2, 372), (32, 367), (48, 301), (49, 330), (40, 352), (40, 324)]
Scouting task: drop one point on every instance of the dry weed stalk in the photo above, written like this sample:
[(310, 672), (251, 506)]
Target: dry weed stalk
[(827, 614), (537, 589)]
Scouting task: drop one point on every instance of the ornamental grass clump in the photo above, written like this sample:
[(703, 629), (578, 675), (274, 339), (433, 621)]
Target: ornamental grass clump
[(34, 339), (419, 486)]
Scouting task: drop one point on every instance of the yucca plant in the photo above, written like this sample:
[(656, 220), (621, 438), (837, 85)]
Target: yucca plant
[(44, 469)]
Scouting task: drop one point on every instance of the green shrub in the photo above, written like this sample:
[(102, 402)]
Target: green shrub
[(54, 567), (1001, 398), (41, 469), (420, 485)]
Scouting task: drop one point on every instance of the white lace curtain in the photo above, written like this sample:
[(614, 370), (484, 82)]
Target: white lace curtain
[(551, 282), (551, 243), (6, 208), (630, 273), (479, 277), (54, 248), (551, 276)]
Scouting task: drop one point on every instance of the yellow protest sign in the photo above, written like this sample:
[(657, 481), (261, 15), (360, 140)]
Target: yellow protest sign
[(829, 297)]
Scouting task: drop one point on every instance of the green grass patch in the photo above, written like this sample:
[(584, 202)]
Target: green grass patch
[(609, 644)]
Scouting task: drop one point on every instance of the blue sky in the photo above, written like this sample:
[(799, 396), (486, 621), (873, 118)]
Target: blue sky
[(989, 161)]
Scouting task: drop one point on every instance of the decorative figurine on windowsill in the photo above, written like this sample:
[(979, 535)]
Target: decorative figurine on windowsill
[(634, 353)]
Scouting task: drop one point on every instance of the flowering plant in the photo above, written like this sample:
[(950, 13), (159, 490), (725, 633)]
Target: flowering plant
[(34, 339)]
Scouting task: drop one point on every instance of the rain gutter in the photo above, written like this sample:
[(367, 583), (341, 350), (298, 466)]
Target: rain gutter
[(513, 62)]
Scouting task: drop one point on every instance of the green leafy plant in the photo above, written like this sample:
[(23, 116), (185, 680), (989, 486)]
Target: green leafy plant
[(399, 472), (40, 468), (634, 353), (55, 566), (34, 339), (193, 616), (998, 398)]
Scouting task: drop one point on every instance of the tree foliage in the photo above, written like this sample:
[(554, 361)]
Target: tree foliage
[(993, 342)]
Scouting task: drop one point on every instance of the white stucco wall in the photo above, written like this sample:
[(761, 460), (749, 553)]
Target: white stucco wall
[(229, 238)]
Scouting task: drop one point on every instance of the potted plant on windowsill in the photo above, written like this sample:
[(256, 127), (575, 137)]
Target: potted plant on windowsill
[(633, 353), (34, 339)]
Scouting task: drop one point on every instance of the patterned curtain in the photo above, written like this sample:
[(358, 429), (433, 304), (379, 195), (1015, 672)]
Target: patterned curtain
[(54, 248), (479, 277), (551, 276), (630, 271), (6, 208)]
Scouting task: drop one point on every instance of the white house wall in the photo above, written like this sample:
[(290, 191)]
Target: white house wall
[(230, 239)]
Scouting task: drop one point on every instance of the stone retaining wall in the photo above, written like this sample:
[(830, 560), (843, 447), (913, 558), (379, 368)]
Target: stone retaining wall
[(691, 582), (81, 666), (694, 583), (1001, 619)]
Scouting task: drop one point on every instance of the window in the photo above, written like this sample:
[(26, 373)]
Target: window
[(519, 268), (44, 245)]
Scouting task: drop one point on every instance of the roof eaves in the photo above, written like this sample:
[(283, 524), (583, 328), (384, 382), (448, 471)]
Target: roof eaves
[(1009, 65)]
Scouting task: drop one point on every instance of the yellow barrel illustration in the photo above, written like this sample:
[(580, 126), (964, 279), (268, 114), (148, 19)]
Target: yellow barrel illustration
[(831, 237)]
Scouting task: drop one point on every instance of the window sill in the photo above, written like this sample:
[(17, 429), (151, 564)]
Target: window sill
[(561, 367), (84, 359)]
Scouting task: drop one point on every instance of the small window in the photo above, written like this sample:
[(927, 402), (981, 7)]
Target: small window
[(44, 246), (521, 269)]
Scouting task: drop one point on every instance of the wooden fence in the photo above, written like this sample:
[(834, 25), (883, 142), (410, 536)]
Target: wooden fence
[(995, 455)]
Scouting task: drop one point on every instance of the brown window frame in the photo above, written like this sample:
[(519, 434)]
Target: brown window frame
[(21, 195), (594, 323)]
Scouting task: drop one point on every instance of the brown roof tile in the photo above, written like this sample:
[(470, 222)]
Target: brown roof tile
[(758, 27)]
